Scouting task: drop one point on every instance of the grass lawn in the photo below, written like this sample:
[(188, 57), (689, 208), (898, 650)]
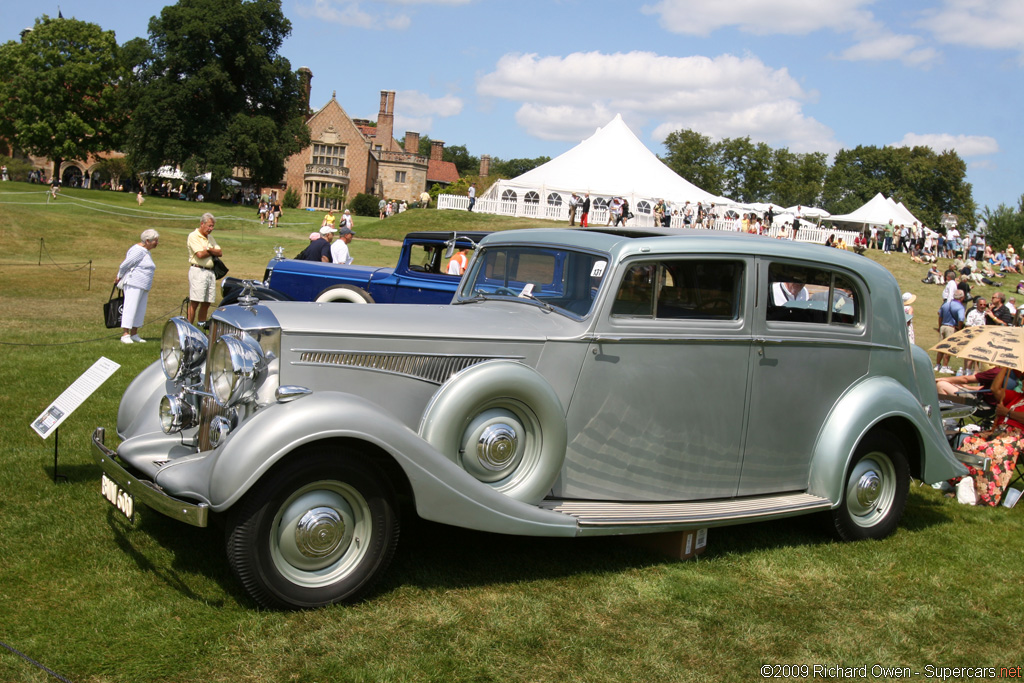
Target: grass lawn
[(96, 600)]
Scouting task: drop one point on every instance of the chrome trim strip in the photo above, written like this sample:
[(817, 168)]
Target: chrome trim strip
[(429, 367), (145, 492), (699, 513)]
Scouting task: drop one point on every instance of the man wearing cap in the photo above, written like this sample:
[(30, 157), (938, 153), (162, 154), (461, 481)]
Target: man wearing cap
[(202, 285), (339, 250), (319, 250)]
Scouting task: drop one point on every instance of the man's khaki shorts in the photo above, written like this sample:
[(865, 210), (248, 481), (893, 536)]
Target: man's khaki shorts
[(202, 285)]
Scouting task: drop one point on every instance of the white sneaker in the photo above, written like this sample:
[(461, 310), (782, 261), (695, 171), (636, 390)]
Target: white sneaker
[(137, 339), (946, 370), (937, 368), (126, 340)]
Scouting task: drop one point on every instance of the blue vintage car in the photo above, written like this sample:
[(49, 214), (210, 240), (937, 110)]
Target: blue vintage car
[(420, 277)]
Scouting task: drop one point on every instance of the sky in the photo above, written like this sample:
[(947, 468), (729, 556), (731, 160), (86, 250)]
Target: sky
[(534, 78)]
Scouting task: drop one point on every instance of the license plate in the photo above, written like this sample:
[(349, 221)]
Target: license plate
[(118, 497)]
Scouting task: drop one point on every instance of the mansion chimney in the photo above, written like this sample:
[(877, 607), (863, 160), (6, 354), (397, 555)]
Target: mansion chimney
[(436, 150), (412, 142), (485, 165), (306, 85), (386, 121)]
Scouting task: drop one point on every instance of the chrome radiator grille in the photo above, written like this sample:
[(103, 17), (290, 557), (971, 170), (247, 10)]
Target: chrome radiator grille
[(208, 408), (436, 368)]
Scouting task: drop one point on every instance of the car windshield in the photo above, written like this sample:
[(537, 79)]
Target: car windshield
[(561, 278)]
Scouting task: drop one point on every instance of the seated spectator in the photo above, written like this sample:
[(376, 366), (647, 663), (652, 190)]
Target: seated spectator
[(1001, 445), (978, 382), (933, 277), (860, 243)]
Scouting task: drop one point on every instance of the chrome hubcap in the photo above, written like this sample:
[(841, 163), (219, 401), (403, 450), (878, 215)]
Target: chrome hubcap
[(497, 446), (319, 532), (869, 486)]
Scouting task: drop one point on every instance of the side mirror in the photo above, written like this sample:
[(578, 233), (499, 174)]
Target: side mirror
[(449, 248)]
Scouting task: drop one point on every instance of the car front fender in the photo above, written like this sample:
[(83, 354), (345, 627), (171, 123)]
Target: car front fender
[(443, 491), (863, 408)]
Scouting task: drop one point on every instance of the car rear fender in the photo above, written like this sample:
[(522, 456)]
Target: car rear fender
[(442, 490), (879, 403)]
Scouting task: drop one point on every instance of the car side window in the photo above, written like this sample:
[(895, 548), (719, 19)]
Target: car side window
[(425, 258), (694, 289), (806, 294)]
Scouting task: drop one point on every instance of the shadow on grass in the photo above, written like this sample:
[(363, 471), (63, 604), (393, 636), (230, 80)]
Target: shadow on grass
[(434, 556)]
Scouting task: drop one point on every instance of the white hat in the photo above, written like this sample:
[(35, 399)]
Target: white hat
[(327, 230)]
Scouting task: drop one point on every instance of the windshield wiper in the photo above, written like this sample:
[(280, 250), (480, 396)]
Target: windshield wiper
[(526, 295)]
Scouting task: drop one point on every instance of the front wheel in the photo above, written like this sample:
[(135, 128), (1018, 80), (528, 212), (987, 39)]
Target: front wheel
[(321, 530), (875, 489)]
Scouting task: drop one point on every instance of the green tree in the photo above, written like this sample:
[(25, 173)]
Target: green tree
[(513, 168), (1004, 225), (746, 169), (112, 169), (58, 90), (929, 184), (335, 194), (212, 87), (697, 158)]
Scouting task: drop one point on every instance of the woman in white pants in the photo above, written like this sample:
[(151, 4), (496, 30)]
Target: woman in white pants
[(135, 277)]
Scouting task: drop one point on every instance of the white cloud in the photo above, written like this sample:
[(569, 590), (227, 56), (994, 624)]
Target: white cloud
[(890, 46), (566, 98), (993, 24), (416, 111), (797, 17), (351, 12), (964, 145), (761, 17)]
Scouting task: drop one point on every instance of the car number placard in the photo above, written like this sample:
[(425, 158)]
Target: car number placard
[(118, 497)]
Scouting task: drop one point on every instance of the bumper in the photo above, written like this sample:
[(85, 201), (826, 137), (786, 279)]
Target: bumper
[(145, 492)]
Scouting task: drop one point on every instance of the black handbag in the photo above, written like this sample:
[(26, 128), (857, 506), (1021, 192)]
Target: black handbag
[(113, 309), (219, 269)]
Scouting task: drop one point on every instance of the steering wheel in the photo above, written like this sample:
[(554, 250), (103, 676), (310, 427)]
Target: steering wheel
[(506, 291)]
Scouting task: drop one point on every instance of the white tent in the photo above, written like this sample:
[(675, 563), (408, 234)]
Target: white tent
[(612, 162), (878, 211)]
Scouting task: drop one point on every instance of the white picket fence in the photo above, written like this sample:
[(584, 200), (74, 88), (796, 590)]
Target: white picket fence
[(807, 232)]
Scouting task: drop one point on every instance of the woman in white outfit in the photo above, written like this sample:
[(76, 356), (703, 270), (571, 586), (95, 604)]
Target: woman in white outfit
[(135, 277)]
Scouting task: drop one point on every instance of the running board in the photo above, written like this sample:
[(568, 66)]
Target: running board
[(605, 517)]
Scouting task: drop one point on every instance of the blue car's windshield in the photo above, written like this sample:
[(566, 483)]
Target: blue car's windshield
[(559, 277)]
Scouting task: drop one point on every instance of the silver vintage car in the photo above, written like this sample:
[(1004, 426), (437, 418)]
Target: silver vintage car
[(581, 382)]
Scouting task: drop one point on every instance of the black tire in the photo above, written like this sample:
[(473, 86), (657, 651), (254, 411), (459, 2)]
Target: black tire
[(344, 294), (875, 489), (350, 523)]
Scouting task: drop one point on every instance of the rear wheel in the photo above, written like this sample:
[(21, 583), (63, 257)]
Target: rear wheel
[(875, 489), (319, 531), (346, 294)]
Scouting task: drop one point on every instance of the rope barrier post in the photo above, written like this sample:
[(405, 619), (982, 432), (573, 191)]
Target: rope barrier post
[(41, 250), (88, 287)]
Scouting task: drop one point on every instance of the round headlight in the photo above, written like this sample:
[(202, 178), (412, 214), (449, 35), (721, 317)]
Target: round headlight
[(235, 366), (176, 415), (182, 349), (220, 427)]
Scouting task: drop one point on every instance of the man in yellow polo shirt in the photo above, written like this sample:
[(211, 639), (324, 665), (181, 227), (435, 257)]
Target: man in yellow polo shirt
[(202, 285)]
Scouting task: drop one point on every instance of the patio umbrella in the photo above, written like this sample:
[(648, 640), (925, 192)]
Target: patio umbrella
[(993, 344)]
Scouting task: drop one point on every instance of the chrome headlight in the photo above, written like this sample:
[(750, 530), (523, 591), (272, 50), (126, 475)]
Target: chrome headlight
[(235, 367), (182, 349), (176, 414)]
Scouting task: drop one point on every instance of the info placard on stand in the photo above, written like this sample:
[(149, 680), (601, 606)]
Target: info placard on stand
[(65, 404)]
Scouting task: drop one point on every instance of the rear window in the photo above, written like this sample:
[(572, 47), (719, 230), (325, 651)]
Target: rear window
[(805, 294)]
